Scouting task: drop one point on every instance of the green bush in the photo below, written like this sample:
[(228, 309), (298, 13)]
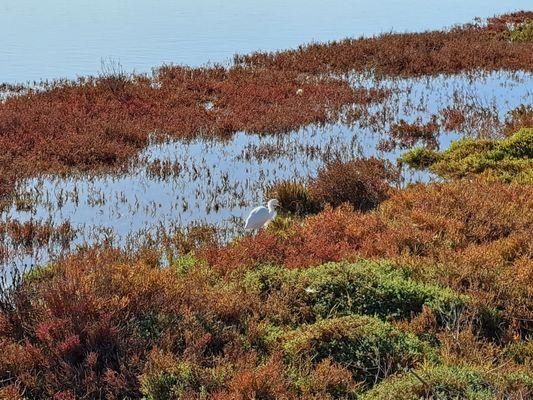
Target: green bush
[(420, 158), (375, 288), (522, 33), (40, 273), (450, 383), (507, 159), (371, 349), (168, 384), (266, 279), (183, 263), (152, 325), (366, 287)]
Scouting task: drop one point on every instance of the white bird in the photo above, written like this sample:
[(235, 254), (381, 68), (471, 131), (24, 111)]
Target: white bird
[(260, 216)]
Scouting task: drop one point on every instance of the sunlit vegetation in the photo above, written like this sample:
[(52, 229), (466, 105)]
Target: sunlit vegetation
[(101, 122), (452, 382), (464, 48), (363, 183), (522, 33), (368, 292), (509, 159), (294, 198), (361, 288)]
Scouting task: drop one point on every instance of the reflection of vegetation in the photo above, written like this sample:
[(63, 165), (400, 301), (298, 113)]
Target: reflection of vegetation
[(519, 117), (507, 159), (268, 316), (101, 122)]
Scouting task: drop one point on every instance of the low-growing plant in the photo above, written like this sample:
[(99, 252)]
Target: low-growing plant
[(507, 159), (366, 287), (522, 33), (377, 289), (450, 383), (363, 183), (371, 349), (294, 198), (329, 380), (167, 378)]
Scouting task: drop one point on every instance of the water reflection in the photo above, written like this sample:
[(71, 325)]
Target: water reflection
[(177, 183)]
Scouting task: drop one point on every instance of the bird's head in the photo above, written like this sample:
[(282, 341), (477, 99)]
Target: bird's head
[(272, 204)]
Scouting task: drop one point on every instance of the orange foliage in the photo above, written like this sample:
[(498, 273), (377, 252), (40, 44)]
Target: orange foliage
[(100, 122), (479, 231), (364, 183), (465, 48)]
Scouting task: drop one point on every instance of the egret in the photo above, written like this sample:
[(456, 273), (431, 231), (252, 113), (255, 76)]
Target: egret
[(260, 216)]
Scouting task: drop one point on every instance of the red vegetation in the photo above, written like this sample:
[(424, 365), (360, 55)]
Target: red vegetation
[(479, 230), (466, 48), (364, 183), (520, 117), (100, 122), (502, 22), (405, 135), (110, 324)]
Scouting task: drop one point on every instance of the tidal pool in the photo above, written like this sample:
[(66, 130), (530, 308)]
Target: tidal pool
[(176, 184)]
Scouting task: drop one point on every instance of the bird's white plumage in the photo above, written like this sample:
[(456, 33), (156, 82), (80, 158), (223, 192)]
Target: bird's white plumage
[(261, 216), (257, 218)]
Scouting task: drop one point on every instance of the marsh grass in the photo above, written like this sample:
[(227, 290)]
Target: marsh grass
[(509, 159)]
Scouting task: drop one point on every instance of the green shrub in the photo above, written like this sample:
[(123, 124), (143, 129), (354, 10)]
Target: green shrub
[(507, 159), (371, 349), (168, 384), (375, 288), (450, 383), (265, 279), (183, 263), (366, 287), (420, 158), (522, 33), (40, 273), (294, 198), (152, 325), (521, 353), (281, 226)]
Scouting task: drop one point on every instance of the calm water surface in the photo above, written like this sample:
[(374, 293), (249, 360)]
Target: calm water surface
[(64, 38)]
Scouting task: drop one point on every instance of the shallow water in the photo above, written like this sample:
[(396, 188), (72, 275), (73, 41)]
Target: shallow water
[(177, 184), (64, 38), (218, 182)]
